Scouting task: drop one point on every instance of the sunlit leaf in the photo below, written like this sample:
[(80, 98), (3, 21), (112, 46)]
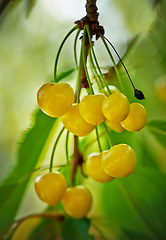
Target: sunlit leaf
[(29, 152)]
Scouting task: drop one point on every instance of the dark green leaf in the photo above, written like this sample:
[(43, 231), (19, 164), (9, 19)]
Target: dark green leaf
[(136, 203), (40, 232), (14, 186), (158, 129), (30, 4), (75, 229)]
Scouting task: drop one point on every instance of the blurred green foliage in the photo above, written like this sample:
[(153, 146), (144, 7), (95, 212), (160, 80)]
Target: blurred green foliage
[(130, 208)]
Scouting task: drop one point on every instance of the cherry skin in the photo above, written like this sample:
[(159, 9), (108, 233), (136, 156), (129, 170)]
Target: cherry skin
[(115, 126), (119, 161), (116, 107), (136, 118), (90, 108), (51, 187), (77, 201), (94, 169), (74, 122), (112, 88), (55, 99)]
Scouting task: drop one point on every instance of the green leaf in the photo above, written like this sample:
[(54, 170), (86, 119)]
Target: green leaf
[(64, 74), (158, 129), (76, 229), (29, 6), (40, 232), (136, 204), (29, 152)]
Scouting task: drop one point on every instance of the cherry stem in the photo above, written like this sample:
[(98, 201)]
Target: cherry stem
[(59, 50), (54, 148), (85, 61), (115, 67), (67, 147), (98, 140), (78, 83), (67, 151), (95, 59), (108, 135), (95, 73), (75, 47), (103, 37)]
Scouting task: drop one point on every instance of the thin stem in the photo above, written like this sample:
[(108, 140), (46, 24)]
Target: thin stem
[(113, 61), (84, 61), (54, 148), (98, 140), (108, 135), (75, 47), (97, 77), (103, 37), (67, 153), (78, 84), (67, 147), (60, 48), (95, 59)]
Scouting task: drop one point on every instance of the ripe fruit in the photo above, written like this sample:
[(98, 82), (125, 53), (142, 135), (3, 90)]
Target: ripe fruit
[(51, 187), (77, 201), (112, 88), (90, 108), (116, 126), (136, 118), (116, 107), (119, 161), (55, 99), (94, 169), (74, 122)]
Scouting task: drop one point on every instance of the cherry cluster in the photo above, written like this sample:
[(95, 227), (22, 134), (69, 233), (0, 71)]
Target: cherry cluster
[(57, 100)]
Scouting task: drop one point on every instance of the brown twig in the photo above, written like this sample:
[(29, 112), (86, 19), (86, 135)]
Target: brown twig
[(91, 10), (77, 160), (91, 19), (84, 82)]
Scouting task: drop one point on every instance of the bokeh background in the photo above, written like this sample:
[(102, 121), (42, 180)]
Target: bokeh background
[(30, 34)]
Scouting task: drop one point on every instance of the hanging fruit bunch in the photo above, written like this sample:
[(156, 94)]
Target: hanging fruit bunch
[(102, 105)]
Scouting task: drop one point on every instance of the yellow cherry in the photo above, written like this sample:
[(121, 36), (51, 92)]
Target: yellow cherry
[(77, 201), (90, 108), (116, 107), (115, 126), (51, 187), (94, 169), (112, 88), (119, 161), (55, 99), (136, 118), (74, 122)]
